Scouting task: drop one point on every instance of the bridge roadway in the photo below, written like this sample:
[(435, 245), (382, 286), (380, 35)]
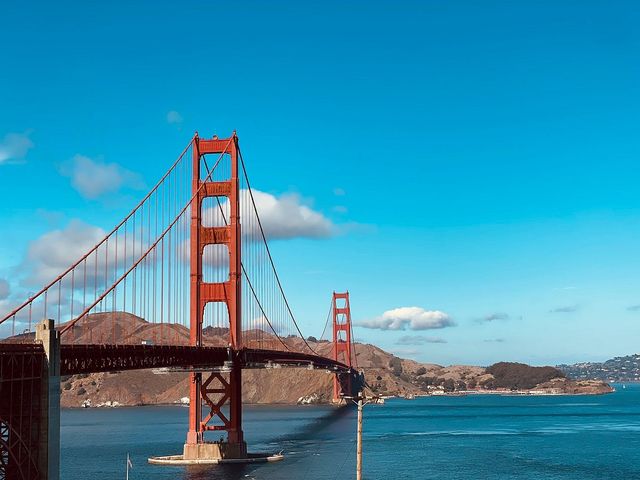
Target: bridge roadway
[(90, 358)]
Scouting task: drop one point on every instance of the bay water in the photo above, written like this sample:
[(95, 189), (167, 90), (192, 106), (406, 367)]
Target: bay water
[(470, 437)]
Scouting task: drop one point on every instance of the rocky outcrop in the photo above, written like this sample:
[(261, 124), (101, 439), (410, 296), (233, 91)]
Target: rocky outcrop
[(566, 386), (313, 399)]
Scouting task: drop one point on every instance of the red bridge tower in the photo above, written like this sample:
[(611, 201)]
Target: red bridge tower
[(226, 391), (342, 343)]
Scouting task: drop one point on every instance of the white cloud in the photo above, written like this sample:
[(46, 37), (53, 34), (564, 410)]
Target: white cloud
[(412, 318), (261, 323), (93, 178), (174, 117), (55, 251), (339, 192), (286, 217), (14, 147), (282, 217), (4, 289), (52, 253)]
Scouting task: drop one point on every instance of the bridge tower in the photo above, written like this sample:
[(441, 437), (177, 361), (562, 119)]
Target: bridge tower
[(225, 389), (342, 343)]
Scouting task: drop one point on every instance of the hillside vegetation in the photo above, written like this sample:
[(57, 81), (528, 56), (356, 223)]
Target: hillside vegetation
[(519, 376)]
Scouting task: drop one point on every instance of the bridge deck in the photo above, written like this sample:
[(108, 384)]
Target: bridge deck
[(91, 358)]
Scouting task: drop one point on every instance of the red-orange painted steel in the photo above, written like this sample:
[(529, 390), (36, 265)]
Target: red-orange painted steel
[(226, 292), (217, 389), (22, 423), (91, 358), (341, 344)]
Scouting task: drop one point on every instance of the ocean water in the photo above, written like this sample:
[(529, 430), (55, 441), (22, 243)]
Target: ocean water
[(474, 437)]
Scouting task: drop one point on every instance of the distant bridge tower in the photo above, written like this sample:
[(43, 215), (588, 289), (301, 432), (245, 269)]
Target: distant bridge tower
[(342, 384), (226, 390)]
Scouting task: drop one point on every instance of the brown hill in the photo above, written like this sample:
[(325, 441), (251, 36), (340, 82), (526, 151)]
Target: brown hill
[(385, 373)]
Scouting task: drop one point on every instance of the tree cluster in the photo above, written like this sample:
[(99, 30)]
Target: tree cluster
[(518, 376)]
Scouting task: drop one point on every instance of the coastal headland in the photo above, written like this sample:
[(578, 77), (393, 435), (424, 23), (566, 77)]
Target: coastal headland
[(385, 373)]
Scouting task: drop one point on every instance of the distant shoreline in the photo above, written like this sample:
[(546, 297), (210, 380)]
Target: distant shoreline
[(501, 393), (504, 393)]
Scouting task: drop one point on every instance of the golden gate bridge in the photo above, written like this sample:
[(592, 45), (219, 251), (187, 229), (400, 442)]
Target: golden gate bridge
[(185, 281)]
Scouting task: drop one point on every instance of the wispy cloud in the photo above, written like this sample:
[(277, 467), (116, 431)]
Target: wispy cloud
[(174, 117), (633, 308), (407, 351), (14, 147), (494, 340), (492, 317), (418, 340), (95, 178), (565, 309), (339, 192), (412, 318)]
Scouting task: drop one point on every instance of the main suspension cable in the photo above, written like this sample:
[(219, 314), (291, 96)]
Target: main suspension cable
[(224, 217), (150, 249), (99, 244), (264, 239), (326, 323)]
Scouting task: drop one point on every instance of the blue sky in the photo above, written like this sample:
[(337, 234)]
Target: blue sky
[(476, 159)]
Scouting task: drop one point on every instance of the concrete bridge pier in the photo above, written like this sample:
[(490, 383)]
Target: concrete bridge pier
[(216, 391), (49, 451)]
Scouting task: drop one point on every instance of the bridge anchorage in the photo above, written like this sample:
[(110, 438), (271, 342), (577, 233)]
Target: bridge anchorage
[(186, 281)]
